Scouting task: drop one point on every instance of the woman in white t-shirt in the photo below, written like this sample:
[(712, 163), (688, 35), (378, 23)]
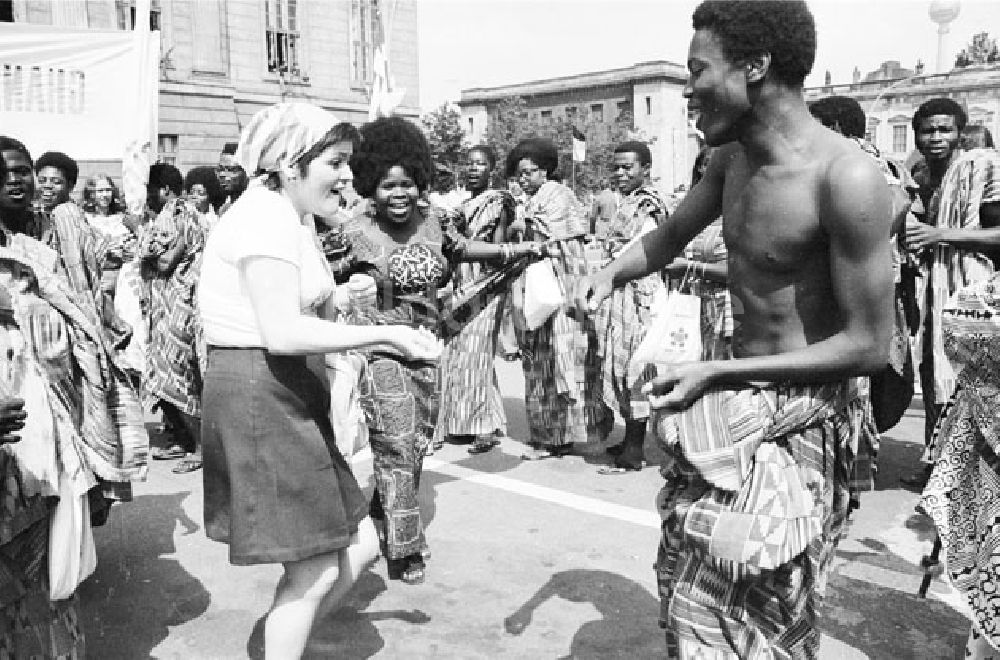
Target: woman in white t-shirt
[(276, 488)]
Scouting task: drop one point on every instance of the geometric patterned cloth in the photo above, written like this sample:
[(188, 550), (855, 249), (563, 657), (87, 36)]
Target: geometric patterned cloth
[(972, 180), (173, 373), (562, 373), (471, 403), (962, 495), (400, 398), (622, 319), (756, 498)]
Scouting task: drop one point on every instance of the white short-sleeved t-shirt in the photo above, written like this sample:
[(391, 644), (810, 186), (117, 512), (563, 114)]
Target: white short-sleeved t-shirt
[(261, 223)]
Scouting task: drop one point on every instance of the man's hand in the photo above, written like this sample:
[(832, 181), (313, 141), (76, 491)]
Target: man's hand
[(591, 290), (920, 235), (680, 386), (12, 418)]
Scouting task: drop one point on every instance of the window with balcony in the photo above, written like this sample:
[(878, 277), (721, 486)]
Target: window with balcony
[(570, 112), (597, 112), (546, 116), (364, 38), (284, 43)]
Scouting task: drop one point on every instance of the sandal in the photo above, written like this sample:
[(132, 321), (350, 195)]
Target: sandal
[(189, 464), (483, 444), (414, 571), (169, 453), (557, 451)]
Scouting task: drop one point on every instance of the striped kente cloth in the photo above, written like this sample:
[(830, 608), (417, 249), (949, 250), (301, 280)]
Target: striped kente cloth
[(756, 498)]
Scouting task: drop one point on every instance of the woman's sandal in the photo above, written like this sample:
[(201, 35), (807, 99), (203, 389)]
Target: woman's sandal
[(189, 464), (414, 571)]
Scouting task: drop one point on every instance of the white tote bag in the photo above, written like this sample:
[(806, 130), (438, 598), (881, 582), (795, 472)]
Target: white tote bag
[(72, 555), (543, 294), (674, 335)]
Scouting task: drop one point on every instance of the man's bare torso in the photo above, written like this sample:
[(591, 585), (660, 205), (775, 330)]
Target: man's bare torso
[(779, 252)]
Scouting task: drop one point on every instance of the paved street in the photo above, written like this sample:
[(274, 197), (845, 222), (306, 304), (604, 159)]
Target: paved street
[(530, 560)]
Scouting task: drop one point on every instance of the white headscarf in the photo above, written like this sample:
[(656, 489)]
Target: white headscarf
[(280, 135)]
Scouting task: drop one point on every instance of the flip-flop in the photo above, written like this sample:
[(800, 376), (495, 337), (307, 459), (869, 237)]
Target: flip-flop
[(169, 453), (187, 465)]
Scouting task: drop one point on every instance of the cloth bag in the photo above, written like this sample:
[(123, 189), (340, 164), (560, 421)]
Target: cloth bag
[(543, 294), (72, 555), (674, 335)]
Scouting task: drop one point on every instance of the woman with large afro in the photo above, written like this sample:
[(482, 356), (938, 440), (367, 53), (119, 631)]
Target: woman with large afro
[(397, 239)]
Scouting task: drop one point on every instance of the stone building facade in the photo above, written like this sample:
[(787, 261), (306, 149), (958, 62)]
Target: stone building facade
[(223, 60), (889, 103), (650, 91)]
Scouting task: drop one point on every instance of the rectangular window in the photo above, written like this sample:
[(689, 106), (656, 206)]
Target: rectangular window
[(872, 133), (166, 147), (649, 105), (470, 125), (597, 112), (126, 14), (283, 38), (364, 37), (546, 116), (899, 138), (623, 107), (570, 111)]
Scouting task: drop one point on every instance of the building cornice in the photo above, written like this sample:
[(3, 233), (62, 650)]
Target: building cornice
[(957, 80), (642, 72)]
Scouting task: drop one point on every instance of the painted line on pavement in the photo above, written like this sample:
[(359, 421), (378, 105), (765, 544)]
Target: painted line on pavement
[(570, 500)]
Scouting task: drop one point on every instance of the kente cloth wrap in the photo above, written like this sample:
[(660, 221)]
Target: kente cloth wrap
[(471, 403), (279, 135), (973, 179), (622, 319), (756, 498), (963, 493), (112, 436), (399, 397), (563, 393), (173, 371), (709, 247)]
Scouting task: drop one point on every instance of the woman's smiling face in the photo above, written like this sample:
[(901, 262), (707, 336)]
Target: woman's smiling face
[(396, 195)]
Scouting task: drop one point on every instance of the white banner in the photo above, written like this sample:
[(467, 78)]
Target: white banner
[(88, 93)]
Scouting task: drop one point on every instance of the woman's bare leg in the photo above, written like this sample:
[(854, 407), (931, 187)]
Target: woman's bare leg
[(310, 586)]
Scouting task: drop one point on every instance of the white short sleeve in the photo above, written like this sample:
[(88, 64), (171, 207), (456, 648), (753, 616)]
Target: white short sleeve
[(269, 227)]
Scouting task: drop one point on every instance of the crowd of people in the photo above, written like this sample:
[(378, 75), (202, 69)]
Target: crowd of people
[(325, 286)]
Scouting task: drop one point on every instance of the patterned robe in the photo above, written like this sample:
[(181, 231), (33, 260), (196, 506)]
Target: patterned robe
[(756, 498), (973, 179), (623, 318), (562, 373), (173, 373), (471, 403), (399, 398), (961, 494)]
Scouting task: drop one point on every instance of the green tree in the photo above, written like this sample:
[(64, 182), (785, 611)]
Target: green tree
[(443, 127), (981, 50)]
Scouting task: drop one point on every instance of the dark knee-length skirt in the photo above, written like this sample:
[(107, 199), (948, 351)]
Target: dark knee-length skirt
[(276, 487)]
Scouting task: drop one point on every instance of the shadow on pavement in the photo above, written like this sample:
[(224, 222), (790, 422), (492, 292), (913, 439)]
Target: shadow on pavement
[(897, 459), (350, 632), (136, 595), (891, 623), (627, 627)]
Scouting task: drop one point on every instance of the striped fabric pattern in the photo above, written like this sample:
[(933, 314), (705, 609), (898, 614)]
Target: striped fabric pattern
[(756, 497), (621, 321), (471, 403)]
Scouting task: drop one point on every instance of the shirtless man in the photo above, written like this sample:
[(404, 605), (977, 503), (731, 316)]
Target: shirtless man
[(806, 219)]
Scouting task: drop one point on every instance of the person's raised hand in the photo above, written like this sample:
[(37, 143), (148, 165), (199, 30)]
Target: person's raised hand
[(12, 416)]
